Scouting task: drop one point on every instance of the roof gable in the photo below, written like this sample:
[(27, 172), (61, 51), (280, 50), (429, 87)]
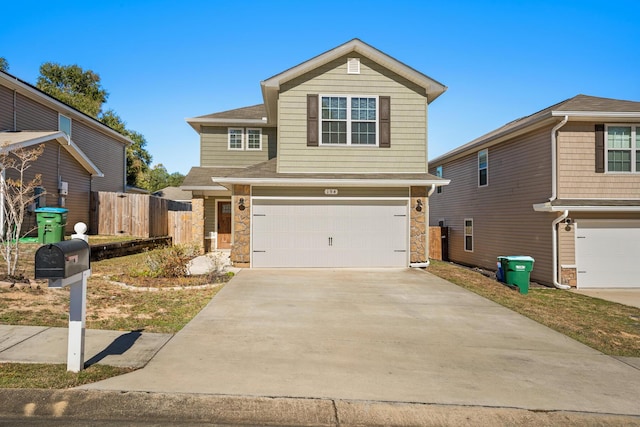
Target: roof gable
[(10, 141), (271, 86)]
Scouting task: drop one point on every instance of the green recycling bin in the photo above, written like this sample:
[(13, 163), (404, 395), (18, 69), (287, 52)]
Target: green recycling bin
[(516, 270), (51, 224)]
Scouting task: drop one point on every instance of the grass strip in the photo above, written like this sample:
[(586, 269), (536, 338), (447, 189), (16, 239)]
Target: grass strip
[(609, 327)]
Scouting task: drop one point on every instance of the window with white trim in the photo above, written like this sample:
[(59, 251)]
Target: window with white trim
[(622, 148), (236, 139), (64, 124), (468, 234), (254, 139), (483, 168), (349, 120), (439, 175)]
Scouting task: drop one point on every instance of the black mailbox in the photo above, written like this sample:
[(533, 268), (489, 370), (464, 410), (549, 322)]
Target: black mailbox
[(63, 259)]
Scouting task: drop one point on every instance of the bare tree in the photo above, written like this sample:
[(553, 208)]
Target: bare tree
[(16, 194)]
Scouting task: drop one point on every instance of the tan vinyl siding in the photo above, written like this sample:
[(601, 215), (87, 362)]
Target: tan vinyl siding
[(504, 222), (566, 245), (577, 178), (319, 192), (214, 148), (209, 216), (408, 151), (105, 153)]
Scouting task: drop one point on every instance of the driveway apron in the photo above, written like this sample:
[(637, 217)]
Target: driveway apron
[(395, 335)]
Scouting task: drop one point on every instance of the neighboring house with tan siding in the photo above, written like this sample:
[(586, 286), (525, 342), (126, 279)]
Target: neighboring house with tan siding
[(561, 185), (81, 154), (331, 171)]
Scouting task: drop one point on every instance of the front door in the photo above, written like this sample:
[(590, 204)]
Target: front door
[(224, 225)]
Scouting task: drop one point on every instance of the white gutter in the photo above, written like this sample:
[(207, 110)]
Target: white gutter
[(554, 258), (433, 188), (554, 161), (546, 207), (354, 182)]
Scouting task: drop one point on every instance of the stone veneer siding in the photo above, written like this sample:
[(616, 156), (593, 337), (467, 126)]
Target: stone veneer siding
[(418, 225), (569, 276), (197, 222), (241, 247)]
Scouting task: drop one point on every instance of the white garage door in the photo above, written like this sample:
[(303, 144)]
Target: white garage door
[(319, 233), (607, 254)]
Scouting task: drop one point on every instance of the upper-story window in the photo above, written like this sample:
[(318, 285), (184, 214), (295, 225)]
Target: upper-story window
[(236, 139), (64, 124), (483, 168), (249, 139), (439, 175), (254, 139), (349, 120), (623, 148)]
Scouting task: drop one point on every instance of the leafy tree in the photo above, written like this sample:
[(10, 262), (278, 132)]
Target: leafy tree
[(4, 64), (158, 178), (73, 86), (138, 158), (18, 193)]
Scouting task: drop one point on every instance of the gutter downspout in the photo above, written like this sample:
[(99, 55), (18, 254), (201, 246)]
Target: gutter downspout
[(554, 231), (425, 264), (554, 160), (554, 195)]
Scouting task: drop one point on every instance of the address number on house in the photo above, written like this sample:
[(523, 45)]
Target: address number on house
[(330, 191)]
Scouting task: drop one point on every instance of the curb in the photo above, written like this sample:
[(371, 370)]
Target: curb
[(118, 406)]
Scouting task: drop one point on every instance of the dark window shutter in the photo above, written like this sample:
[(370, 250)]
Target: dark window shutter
[(312, 120), (599, 148), (385, 121)]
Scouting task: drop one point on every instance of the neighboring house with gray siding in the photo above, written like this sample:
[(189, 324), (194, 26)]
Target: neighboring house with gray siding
[(81, 154), (331, 171), (561, 185)]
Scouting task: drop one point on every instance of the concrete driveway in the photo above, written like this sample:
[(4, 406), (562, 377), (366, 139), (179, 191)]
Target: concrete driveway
[(379, 335)]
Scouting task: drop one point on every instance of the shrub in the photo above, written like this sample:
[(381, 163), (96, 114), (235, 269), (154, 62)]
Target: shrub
[(168, 262)]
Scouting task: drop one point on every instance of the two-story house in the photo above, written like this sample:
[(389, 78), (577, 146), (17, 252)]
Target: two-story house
[(561, 185), (331, 171), (81, 154)]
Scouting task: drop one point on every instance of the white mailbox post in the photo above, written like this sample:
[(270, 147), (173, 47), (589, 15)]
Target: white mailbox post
[(67, 263)]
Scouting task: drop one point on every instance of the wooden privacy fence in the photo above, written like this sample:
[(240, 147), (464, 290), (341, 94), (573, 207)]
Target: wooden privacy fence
[(439, 243), (180, 227), (138, 215)]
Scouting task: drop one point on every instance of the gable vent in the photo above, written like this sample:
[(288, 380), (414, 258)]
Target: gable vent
[(353, 65)]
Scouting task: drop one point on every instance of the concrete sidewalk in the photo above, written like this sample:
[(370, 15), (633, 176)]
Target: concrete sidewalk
[(402, 336), (39, 344)]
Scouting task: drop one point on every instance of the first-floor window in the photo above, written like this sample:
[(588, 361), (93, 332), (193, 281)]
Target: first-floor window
[(236, 139), (623, 148), (468, 235)]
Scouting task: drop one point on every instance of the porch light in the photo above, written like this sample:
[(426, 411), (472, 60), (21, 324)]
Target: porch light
[(241, 204), (419, 205)]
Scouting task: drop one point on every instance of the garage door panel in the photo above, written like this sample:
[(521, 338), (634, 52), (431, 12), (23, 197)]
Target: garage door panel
[(329, 234), (607, 253)]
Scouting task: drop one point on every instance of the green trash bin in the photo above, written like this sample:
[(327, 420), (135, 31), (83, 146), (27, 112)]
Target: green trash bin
[(51, 224), (516, 270)]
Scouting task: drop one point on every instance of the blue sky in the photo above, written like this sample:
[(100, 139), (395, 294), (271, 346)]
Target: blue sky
[(164, 61)]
